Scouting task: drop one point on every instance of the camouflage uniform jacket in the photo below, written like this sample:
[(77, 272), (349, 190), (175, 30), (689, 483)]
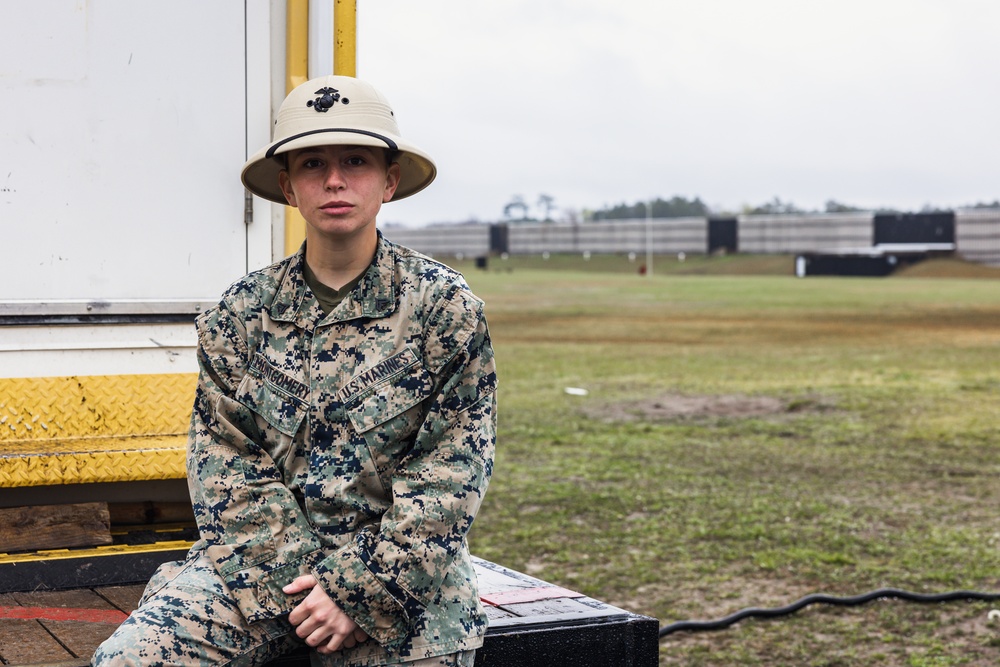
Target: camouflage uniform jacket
[(355, 447)]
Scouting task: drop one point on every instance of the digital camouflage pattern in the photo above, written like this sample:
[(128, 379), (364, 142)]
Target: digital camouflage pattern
[(355, 447), (186, 618)]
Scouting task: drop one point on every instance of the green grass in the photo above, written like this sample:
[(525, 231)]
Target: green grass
[(672, 264), (880, 470)]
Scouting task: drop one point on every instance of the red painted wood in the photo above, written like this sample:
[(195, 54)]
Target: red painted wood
[(64, 614), (516, 595)]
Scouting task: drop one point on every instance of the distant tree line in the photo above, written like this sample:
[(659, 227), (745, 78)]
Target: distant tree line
[(675, 207), (679, 207), (518, 210), (776, 206)]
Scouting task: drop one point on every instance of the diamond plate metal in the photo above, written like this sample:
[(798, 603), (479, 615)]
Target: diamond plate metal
[(88, 429), (91, 406), (92, 460)]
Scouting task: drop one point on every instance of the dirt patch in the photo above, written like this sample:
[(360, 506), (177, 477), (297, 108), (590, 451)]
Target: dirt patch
[(679, 407), (948, 267)]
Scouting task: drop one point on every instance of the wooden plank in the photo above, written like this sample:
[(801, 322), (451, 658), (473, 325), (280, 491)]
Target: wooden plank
[(80, 637), (77, 598), (125, 598), (114, 616), (66, 625), (149, 513), (25, 642), (54, 526)]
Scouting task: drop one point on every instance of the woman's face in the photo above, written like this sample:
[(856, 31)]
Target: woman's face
[(339, 189)]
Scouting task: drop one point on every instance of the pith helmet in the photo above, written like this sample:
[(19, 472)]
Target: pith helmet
[(335, 110)]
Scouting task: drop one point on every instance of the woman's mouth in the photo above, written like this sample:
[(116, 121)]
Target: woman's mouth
[(336, 207)]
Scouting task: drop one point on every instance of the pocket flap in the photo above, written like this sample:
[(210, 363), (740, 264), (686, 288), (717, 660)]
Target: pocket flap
[(394, 386), (276, 397)]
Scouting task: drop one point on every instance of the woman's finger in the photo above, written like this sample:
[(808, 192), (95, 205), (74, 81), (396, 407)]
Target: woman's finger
[(299, 584), (333, 645)]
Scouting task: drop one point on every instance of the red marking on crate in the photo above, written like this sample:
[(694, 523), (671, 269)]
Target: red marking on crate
[(515, 595), (64, 614)]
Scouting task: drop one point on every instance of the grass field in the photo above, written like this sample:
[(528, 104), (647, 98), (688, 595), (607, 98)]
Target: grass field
[(750, 439)]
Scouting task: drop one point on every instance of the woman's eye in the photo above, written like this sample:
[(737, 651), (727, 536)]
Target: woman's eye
[(355, 161), (311, 163)]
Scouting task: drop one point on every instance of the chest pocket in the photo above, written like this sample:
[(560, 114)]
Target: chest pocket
[(274, 396), (386, 390)]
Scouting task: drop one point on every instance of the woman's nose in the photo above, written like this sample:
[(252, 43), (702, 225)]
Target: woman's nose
[(334, 178)]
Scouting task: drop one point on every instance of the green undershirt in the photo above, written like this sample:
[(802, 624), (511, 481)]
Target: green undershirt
[(328, 297)]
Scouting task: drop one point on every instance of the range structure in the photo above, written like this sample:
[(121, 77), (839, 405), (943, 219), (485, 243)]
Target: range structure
[(973, 235)]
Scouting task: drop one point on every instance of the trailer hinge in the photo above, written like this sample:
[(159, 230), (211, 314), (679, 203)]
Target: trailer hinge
[(247, 207)]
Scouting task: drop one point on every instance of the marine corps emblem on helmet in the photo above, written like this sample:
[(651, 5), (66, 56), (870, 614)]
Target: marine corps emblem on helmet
[(327, 98)]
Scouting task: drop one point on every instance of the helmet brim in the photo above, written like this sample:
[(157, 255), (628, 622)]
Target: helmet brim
[(260, 173)]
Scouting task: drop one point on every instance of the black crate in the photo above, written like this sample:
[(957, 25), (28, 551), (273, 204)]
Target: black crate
[(919, 228), (723, 235)]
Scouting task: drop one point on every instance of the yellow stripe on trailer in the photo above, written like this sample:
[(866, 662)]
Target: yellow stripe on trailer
[(92, 461), (113, 550), (345, 28), (296, 72)]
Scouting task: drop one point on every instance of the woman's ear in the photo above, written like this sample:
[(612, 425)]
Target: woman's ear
[(285, 183), (391, 182)]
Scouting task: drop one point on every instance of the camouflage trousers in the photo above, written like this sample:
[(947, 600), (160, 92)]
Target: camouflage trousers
[(186, 618)]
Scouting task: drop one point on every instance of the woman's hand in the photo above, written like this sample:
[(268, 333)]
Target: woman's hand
[(319, 621)]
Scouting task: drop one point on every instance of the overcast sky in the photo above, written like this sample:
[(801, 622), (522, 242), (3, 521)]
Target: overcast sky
[(598, 102)]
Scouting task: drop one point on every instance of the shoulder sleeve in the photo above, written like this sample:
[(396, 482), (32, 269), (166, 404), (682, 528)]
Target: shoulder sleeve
[(451, 323), (222, 347)]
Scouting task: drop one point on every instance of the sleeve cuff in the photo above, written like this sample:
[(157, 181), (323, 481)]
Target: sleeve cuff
[(359, 593), (257, 590)]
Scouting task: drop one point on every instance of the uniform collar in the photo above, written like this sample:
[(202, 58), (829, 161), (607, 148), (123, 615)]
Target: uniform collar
[(375, 295)]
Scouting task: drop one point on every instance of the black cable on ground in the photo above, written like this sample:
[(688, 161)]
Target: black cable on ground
[(701, 626)]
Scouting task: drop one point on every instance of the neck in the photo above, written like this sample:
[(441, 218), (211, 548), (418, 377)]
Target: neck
[(337, 262)]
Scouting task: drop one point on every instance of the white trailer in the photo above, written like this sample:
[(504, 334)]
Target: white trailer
[(125, 125)]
